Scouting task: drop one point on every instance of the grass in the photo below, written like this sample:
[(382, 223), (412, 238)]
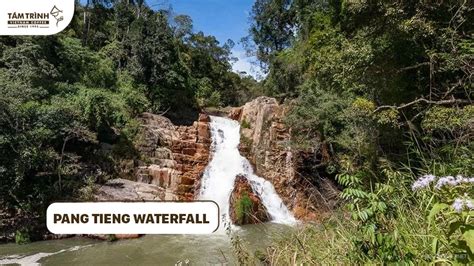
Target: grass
[(334, 241), (313, 244), (245, 124), (243, 207)]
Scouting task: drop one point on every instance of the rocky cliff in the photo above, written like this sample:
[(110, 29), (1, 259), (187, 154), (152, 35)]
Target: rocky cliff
[(174, 157), (266, 142), (171, 159)]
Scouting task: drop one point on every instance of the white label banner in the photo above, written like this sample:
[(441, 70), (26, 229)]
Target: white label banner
[(35, 17), (198, 217)]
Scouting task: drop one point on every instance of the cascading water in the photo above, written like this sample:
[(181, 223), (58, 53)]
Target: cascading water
[(217, 185), (219, 176)]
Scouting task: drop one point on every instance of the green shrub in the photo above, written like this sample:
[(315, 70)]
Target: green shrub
[(22, 236), (245, 124), (376, 239), (206, 95), (86, 193), (243, 208), (241, 252), (112, 238)]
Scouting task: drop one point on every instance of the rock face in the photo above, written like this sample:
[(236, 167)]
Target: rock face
[(265, 141), (170, 165), (246, 207), (126, 190), (172, 158)]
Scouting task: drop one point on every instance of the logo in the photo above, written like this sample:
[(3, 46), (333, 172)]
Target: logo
[(28, 20), (57, 14), (34, 17)]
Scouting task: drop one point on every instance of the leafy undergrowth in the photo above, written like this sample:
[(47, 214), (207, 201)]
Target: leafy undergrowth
[(409, 220), (335, 242), (426, 221)]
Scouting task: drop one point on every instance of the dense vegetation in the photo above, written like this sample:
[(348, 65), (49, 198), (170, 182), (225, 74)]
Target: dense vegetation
[(387, 86), (65, 99)]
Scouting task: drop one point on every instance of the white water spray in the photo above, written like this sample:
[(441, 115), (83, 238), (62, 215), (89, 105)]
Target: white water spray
[(219, 176), (33, 260)]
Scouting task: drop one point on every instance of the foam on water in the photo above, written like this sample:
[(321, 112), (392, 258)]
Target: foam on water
[(226, 163), (33, 260)]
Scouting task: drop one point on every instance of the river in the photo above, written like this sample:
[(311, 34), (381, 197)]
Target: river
[(213, 249)]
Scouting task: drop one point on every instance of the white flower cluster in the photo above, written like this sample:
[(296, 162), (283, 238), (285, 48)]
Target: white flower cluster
[(453, 181), (460, 204), (423, 182), (426, 180)]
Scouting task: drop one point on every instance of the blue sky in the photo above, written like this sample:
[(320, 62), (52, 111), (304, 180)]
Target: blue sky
[(225, 19)]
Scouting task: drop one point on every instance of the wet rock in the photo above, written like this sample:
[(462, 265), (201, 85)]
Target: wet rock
[(265, 141), (246, 206)]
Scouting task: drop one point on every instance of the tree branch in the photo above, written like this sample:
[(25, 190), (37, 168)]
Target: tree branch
[(414, 66), (423, 100), (166, 111)]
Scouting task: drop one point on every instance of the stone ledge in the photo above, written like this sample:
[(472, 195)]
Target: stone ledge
[(126, 190)]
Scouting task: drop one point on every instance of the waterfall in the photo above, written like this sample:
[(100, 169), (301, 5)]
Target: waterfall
[(226, 163)]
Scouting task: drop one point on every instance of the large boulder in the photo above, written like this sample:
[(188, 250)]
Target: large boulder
[(246, 206), (126, 190)]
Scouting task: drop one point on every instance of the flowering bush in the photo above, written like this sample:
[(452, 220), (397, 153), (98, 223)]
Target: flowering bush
[(452, 212)]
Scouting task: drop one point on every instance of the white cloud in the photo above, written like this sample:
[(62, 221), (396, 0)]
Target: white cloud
[(247, 64)]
